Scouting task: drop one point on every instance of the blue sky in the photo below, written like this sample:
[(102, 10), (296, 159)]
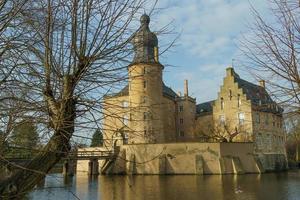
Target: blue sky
[(210, 31)]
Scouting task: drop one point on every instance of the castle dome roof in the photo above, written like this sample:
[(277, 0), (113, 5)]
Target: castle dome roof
[(144, 42)]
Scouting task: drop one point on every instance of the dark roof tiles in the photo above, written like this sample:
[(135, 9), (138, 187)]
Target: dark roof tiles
[(258, 96), (205, 108), (167, 91)]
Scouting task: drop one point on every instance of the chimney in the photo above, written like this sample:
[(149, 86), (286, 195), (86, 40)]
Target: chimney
[(186, 88), (262, 83), (229, 71), (156, 54)]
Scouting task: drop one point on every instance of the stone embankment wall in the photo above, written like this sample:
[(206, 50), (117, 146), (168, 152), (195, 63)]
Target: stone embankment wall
[(190, 158)]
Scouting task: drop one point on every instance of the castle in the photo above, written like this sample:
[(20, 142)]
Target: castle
[(240, 131)]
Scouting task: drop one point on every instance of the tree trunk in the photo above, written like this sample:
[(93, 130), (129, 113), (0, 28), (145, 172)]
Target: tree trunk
[(23, 181), (297, 152)]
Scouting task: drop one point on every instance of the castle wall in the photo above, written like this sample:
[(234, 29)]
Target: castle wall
[(186, 118), (204, 125), (115, 122), (145, 97), (169, 119), (188, 158), (269, 133)]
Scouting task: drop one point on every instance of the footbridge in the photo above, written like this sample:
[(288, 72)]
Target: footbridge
[(12, 160)]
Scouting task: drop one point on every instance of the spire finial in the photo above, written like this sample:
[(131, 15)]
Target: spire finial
[(145, 19)]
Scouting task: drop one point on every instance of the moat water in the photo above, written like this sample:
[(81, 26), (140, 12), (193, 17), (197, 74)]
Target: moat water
[(269, 186)]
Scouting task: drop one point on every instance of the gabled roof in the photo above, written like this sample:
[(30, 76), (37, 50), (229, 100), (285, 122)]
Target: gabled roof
[(205, 108), (258, 96), (167, 91)]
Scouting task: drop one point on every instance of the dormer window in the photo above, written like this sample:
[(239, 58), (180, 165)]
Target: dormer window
[(222, 103)]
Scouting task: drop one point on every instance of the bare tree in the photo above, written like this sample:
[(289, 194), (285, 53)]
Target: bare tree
[(227, 131), (74, 53), (293, 137), (272, 51), (9, 11)]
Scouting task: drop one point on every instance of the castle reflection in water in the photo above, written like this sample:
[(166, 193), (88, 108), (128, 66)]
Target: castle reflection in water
[(187, 187)]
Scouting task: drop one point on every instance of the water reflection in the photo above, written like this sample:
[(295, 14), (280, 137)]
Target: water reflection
[(248, 187)]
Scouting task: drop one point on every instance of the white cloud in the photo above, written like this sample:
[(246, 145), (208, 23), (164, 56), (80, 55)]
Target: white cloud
[(209, 33)]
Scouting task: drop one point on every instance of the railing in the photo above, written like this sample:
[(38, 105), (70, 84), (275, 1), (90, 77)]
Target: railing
[(77, 155), (73, 155)]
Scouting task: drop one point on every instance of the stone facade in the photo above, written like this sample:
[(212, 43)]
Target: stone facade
[(147, 116), (146, 110), (248, 113)]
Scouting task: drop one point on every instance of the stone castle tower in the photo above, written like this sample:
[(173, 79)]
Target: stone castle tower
[(145, 87)]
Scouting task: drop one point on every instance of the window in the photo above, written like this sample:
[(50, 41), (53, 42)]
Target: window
[(145, 115), (241, 117), (280, 124), (125, 104), (259, 102), (230, 94), (222, 119), (145, 84), (274, 120), (181, 133), (222, 103), (181, 121), (144, 99), (125, 120), (259, 141), (125, 139), (257, 118), (144, 70), (266, 119), (180, 108), (145, 132), (239, 100)]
